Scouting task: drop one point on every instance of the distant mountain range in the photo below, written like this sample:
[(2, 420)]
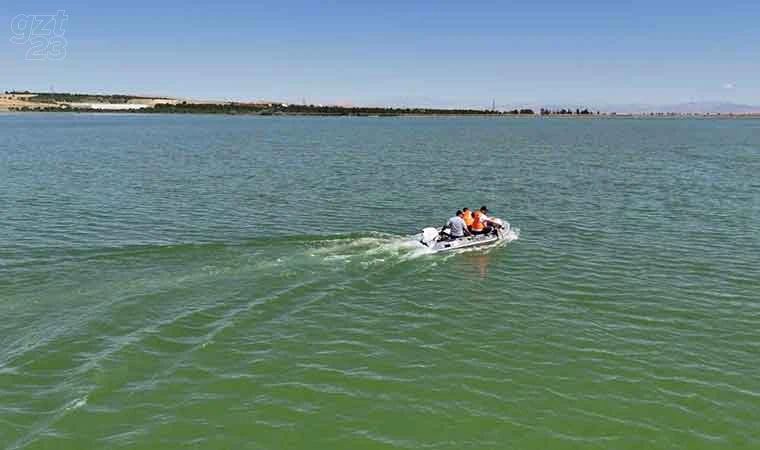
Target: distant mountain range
[(685, 108)]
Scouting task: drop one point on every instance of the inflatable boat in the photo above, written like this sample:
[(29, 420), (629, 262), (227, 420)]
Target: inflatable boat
[(438, 240)]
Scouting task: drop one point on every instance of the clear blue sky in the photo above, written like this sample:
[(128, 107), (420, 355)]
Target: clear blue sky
[(396, 52)]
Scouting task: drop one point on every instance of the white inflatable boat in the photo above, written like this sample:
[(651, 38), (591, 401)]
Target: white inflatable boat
[(438, 240)]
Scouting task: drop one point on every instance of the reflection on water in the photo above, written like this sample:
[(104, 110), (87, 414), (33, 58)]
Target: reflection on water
[(477, 264)]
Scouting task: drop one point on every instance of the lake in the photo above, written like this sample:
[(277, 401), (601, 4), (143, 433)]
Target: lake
[(211, 282)]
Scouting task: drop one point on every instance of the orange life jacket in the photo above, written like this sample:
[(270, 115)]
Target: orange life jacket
[(477, 225), (468, 218)]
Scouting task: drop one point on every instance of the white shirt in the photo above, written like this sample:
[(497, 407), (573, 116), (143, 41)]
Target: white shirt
[(456, 226)]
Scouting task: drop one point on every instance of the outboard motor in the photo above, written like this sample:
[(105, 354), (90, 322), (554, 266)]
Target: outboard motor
[(429, 236)]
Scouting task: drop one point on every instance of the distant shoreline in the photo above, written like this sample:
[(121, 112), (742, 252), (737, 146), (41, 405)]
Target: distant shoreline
[(507, 116), (602, 116), (120, 104)]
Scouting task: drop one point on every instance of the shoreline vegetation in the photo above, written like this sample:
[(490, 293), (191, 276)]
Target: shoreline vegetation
[(26, 101)]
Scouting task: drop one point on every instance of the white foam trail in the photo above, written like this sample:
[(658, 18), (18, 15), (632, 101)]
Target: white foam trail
[(513, 235), (373, 250), (377, 248), (76, 403)]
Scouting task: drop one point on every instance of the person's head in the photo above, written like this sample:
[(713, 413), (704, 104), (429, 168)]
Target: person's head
[(483, 209), (459, 213), (465, 210)]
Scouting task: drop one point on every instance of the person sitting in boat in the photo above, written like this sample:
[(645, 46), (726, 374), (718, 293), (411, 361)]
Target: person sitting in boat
[(467, 216), (481, 223), (457, 227)]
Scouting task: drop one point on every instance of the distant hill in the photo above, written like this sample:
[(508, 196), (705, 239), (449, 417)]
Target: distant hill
[(685, 108)]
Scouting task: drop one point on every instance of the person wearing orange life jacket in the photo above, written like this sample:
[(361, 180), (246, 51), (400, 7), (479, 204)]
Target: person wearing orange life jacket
[(481, 223), (467, 216)]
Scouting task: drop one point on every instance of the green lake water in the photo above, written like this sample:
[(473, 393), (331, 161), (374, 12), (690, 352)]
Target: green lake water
[(202, 282)]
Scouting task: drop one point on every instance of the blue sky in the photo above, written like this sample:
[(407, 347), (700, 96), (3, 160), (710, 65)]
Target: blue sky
[(436, 52)]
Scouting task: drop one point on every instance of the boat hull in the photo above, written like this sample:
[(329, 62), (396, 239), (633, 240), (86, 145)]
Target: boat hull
[(468, 242)]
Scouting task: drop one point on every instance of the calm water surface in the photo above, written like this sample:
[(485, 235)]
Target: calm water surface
[(245, 282)]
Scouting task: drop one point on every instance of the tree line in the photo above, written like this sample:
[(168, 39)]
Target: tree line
[(282, 109)]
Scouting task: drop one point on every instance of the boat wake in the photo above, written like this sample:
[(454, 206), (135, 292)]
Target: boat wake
[(370, 250), (381, 248)]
